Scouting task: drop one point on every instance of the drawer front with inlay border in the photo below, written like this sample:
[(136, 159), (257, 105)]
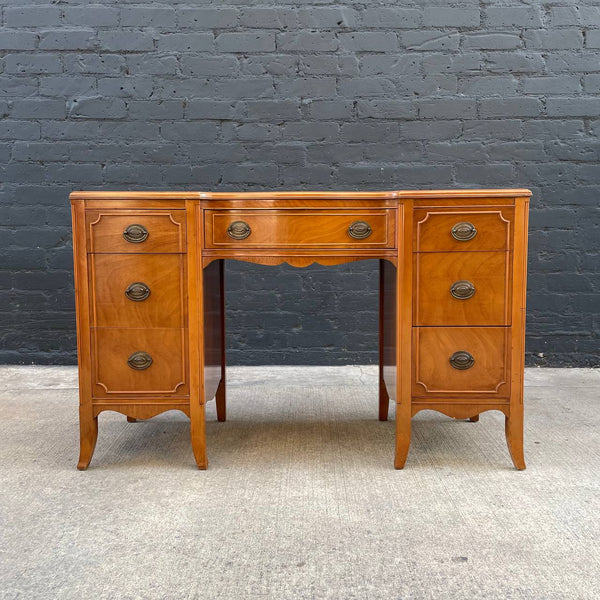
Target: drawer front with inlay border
[(462, 229), (138, 290), (136, 231), (300, 229), (139, 361), (462, 288), (461, 361)]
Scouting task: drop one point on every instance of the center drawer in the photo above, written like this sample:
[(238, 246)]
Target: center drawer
[(300, 228)]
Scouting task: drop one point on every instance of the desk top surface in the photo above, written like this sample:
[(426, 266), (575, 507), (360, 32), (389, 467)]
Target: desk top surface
[(280, 195)]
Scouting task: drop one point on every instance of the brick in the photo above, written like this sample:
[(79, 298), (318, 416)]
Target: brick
[(134, 40), (319, 64), (510, 107), (256, 132), (512, 16), (186, 42), (562, 84), (440, 16), (366, 86), (268, 18), (386, 109), (554, 39), (368, 132), (155, 110), (586, 16), (273, 110), (454, 108), (256, 87), (262, 174), (395, 18), (147, 16), (313, 132), (68, 39), (484, 174), (67, 86), (492, 41), (94, 63), (430, 40), (38, 109), (327, 17), (19, 130), (246, 42), (97, 108), (307, 41), (331, 109), (488, 86), (31, 16), (203, 66), (515, 63), (307, 87), (422, 130), (125, 87), (198, 132), (592, 38), (211, 109), (149, 64), (91, 15), (32, 63), (11, 39), (369, 41), (507, 129), (40, 151), (207, 18), (573, 107)]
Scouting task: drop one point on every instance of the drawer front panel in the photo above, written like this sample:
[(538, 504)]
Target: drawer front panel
[(137, 231), (138, 290), (300, 228), (139, 361), (447, 230), (462, 288), (460, 361)]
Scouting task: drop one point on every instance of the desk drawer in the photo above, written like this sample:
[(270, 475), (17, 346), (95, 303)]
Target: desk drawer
[(460, 229), (461, 361), (462, 288), (137, 290), (300, 228), (136, 231), (139, 361)]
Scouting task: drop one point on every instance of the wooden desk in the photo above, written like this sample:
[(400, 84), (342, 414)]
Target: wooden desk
[(150, 299)]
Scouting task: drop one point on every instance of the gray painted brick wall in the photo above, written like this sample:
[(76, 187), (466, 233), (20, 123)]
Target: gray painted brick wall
[(239, 95)]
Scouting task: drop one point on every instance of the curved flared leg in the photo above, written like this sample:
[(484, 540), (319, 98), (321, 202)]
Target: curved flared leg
[(514, 436), (198, 435), (88, 435), (403, 433)]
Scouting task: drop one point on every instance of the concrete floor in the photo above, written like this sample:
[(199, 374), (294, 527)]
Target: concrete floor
[(300, 500)]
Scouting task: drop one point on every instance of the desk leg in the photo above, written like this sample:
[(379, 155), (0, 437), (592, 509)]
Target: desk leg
[(88, 434), (220, 395), (198, 435), (384, 397)]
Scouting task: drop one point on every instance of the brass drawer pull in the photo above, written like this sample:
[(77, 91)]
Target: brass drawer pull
[(135, 234), (239, 230), (462, 289), (360, 230), (137, 291), (139, 361), (462, 360), (463, 231)]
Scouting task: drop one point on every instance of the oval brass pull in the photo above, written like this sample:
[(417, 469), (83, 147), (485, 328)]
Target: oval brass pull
[(137, 291), (139, 361), (360, 230), (462, 289), (462, 360), (463, 231), (135, 234), (239, 230)]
